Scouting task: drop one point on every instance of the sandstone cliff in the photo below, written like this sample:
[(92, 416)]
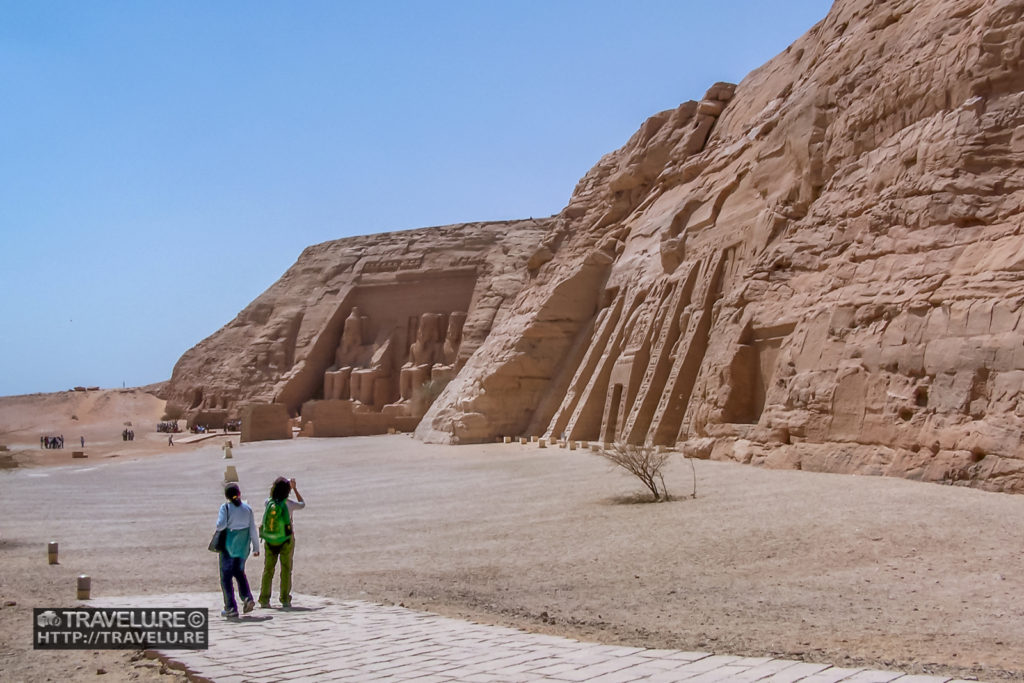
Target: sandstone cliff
[(818, 268), (287, 343)]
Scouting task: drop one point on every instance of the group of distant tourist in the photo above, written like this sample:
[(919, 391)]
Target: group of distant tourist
[(51, 441), (168, 426), (127, 435)]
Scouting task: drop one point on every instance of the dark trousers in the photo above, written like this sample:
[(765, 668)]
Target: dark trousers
[(233, 568)]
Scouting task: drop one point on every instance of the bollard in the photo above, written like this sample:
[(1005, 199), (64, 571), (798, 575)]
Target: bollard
[(533, 439), (230, 474), (572, 445), (84, 586), (523, 440), (542, 443), (561, 444), (594, 447), (508, 439), (51, 552)]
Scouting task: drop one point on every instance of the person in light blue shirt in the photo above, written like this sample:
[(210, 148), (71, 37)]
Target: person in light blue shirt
[(236, 516)]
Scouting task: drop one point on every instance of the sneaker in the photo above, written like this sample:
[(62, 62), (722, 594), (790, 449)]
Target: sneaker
[(286, 603), (265, 605), (248, 606), (230, 613)]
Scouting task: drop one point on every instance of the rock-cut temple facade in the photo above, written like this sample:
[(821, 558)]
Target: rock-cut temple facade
[(821, 267)]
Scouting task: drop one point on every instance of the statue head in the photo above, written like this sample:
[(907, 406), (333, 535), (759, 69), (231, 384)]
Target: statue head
[(455, 323), (427, 332)]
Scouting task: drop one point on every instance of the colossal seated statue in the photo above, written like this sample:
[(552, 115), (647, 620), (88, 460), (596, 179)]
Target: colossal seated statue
[(351, 354), (372, 386), (453, 338), (424, 352)]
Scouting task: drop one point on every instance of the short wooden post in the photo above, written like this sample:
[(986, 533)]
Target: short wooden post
[(51, 552)]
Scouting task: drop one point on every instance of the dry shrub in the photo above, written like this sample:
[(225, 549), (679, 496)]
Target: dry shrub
[(643, 462)]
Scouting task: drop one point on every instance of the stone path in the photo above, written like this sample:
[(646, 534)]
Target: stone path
[(187, 437), (327, 640)]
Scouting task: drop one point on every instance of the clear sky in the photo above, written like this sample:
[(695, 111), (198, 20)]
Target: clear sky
[(163, 163)]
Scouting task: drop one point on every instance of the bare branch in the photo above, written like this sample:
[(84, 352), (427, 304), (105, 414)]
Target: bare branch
[(643, 462)]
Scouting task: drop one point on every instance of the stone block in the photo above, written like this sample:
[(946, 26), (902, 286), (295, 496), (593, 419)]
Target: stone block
[(264, 422), (339, 417)]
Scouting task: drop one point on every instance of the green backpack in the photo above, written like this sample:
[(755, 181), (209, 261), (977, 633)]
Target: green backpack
[(277, 523)]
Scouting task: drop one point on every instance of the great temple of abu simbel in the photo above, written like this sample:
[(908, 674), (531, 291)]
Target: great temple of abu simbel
[(816, 268)]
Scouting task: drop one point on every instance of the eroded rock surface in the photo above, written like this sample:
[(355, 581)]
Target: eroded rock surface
[(819, 268), (379, 323)]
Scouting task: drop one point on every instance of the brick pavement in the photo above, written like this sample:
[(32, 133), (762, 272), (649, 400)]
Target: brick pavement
[(328, 640)]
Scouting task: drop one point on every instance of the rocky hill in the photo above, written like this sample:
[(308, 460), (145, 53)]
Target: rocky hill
[(818, 268)]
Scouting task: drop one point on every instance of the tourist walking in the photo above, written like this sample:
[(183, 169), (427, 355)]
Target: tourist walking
[(236, 516), (279, 538)]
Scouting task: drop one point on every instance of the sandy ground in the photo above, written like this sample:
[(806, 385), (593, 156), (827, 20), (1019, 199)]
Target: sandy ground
[(835, 569), (97, 416)]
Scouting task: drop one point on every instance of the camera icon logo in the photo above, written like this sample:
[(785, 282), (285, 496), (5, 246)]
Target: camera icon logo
[(48, 618)]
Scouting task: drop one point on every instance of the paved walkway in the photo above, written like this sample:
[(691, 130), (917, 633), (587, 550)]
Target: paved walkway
[(188, 437), (327, 640)]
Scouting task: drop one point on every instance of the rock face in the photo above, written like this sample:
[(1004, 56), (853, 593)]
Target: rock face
[(819, 268), (374, 324)]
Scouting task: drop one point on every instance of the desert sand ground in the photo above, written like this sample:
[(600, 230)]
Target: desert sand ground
[(830, 568)]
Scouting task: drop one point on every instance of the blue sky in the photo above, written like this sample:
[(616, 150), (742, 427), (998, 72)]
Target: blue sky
[(163, 163)]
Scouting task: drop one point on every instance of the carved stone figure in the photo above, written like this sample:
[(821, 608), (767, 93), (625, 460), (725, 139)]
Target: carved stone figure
[(350, 355), (453, 338), (424, 352)]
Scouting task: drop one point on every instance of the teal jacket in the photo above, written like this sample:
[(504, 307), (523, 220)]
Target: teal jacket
[(241, 526)]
